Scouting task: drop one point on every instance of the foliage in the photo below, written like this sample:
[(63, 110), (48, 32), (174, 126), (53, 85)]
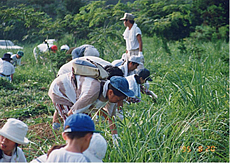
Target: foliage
[(169, 20), (30, 111), (189, 122), (6, 84), (207, 33)]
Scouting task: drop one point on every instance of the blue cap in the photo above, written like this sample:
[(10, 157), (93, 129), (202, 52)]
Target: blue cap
[(20, 53), (79, 122), (145, 74), (122, 85)]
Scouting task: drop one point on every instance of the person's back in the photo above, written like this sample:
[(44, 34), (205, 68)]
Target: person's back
[(84, 50), (42, 49), (6, 68), (66, 68), (63, 155)]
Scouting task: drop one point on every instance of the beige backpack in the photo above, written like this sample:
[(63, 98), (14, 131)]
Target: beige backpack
[(86, 67)]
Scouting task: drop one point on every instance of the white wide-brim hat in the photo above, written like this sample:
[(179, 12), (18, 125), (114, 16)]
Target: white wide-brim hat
[(97, 148), (15, 130)]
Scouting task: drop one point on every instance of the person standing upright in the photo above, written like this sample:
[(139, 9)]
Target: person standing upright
[(132, 36)]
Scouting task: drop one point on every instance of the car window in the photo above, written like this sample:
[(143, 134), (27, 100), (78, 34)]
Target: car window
[(2, 43), (10, 43), (6, 43)]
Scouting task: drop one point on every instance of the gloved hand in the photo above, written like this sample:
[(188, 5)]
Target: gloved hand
[(152, 95), (119, 113), (115, 139), (56, 126), (142, 56)]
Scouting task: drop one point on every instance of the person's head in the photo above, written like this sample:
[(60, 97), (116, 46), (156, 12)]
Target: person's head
[(128, 19), (134, 62), (118, 89), (53, 48), (20, 54), (12, 134), (113, 71), (97, 148), (143, 75), (79, 126), (7, 57)]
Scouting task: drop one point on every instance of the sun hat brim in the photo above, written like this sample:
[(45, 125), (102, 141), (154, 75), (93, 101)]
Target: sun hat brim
[(128, 93), (10, 137), (149, 79)]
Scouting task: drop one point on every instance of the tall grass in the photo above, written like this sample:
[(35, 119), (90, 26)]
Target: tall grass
[(189, 122)]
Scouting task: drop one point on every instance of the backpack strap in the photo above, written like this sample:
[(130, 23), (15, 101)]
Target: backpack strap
[(101, 87)]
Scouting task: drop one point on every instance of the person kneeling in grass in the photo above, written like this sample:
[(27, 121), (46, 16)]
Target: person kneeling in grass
[(78, 131), (12, 135)]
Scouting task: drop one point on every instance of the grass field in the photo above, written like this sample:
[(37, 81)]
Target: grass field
[(189, 122)]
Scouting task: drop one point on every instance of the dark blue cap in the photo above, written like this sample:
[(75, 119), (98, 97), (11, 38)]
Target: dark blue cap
[(79, 122), (145, 74), (122, 85)]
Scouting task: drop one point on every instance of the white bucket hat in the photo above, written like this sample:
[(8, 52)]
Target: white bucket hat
[(97, 148), (91, 51), (136, 59), (15, 130)]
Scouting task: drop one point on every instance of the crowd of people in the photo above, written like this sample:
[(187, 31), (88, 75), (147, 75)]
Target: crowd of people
[(77, 98)]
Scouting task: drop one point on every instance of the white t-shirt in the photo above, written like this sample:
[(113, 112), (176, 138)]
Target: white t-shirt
[(16, 61), (6, 67), (134, 86), (16, 157), (130, 37), (40, 49), (62, 155)]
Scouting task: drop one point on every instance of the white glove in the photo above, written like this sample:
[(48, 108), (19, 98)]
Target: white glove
[(142, 57), (56, 126), (119, 113), (115, 139)]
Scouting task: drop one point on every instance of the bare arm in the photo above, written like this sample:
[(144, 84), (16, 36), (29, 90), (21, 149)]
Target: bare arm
[(139, 39), (112, 125), (12, 75)]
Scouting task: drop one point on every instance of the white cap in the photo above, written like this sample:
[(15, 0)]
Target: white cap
[(91, 51), (64, 47), (97, 148), (136, 59), (9, 53)]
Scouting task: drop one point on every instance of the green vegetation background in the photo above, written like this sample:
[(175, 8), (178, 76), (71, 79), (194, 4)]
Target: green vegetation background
[(191, 111), (189, 122)]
